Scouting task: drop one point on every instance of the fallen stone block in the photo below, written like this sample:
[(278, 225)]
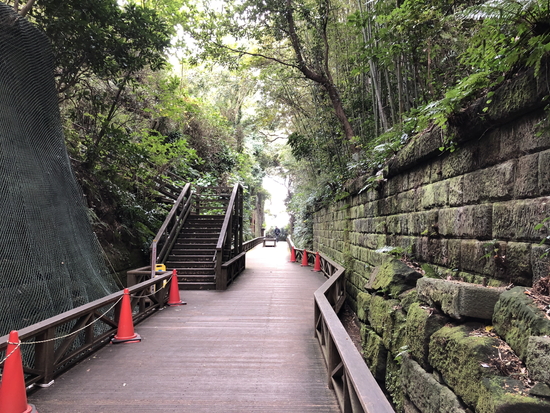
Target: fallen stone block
[(517, 318), (393, 277), (459, 299)]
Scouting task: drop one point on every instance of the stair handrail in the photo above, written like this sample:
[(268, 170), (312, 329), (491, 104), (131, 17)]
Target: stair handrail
[(173, 219), (226, 226)]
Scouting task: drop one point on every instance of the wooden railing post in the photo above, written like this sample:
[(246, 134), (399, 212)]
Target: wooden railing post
[(45, 355)]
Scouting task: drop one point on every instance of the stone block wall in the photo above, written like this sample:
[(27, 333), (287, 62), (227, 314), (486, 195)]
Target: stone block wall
[(468, 218)]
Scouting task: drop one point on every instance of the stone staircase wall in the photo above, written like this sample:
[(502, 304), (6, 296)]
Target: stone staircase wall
[(439, 336)]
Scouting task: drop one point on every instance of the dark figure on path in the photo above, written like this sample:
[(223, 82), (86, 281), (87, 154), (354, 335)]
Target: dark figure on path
[(277, 232)]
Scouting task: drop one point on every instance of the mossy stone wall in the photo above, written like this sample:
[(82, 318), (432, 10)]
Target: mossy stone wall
[(468, 217)]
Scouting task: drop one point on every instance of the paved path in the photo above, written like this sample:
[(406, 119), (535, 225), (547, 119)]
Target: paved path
[(248, 349)]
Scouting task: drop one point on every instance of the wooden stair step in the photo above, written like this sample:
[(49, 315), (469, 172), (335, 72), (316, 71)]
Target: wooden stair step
[(197, 286)]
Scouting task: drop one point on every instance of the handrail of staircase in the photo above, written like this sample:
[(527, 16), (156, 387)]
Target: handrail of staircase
[(173, 220), (227, 226), (348, 375)]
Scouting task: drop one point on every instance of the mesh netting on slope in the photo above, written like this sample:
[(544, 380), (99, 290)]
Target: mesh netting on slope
[(50, 260)]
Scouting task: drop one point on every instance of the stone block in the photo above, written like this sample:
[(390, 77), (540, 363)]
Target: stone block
[(409, 407), (473, 221), (460, 162), (374, 353), (483, 257), (426, 393), (544, 172), (387, 319), (393, 277), (526, 184), (392, 381), (506, 395), (532, 136), (458, 299), (518, 263), (540, 261), (406, 201), (537, 358), (517, 318), (419, 176), (423, 223), (516, 220), (422, 322), (363, 303), (460, 357), (456, 191), (493, 183)]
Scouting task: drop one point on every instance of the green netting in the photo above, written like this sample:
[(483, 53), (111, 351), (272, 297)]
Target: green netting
[(50, 260)]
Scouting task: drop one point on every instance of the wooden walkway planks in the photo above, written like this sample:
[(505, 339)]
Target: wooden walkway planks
[(248, 349)]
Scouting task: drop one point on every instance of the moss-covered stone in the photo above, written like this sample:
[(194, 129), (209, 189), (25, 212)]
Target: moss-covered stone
[(459, 299), (408, 298), (460, 359), (426, 392), (374, 353), (538, 358), (363, 303), (387, 318), (393, 382), (505, 395), (516, 318), (393, 277), (422, 322)]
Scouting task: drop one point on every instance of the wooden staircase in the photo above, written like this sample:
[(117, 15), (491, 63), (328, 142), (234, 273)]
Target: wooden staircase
[(193, 254)]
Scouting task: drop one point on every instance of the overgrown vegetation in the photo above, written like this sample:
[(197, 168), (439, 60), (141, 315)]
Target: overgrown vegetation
[(345, 82)]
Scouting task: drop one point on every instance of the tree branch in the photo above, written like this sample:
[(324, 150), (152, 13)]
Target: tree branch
[(274, 59), (26, 8)]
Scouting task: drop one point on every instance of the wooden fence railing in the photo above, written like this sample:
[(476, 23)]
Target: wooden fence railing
[(356, 389), (54, 345), (230, 241)]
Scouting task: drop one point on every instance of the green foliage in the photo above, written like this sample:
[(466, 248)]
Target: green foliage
[(98, 37)]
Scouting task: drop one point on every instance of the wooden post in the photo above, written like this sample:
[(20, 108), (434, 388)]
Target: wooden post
[(45, 355)]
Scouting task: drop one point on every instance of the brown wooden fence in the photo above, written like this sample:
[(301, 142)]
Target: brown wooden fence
[(356, 389)]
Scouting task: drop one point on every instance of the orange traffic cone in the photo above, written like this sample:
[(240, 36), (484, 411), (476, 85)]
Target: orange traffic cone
[(317, 266), (125, 333), (174, 297), (13, 394), (304, 259), (292, 255)]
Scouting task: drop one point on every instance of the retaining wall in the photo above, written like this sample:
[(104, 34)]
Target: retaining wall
[(468, 217)]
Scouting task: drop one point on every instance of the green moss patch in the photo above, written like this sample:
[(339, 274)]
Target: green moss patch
[(461, 358), (516, 318)]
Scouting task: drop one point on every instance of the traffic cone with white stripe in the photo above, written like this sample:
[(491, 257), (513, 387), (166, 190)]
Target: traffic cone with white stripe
[(13, 393)]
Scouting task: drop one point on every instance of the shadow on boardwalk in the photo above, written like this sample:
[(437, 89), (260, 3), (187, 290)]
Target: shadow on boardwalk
[(248, 349)]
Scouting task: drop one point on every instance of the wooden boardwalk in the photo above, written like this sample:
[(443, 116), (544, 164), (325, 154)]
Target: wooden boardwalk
[(248, 349)]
